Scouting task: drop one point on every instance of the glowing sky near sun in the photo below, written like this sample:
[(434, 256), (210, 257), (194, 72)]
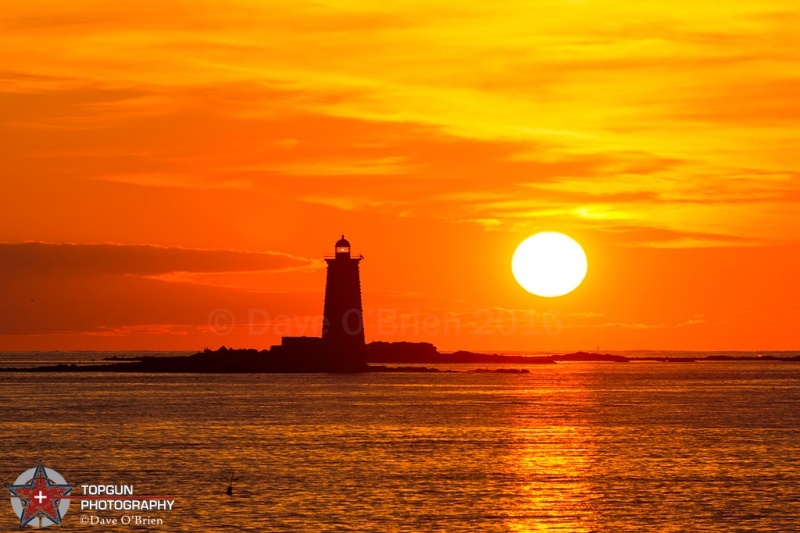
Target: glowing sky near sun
[(205, 155)]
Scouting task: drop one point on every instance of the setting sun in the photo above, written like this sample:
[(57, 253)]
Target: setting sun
[(549, 264)]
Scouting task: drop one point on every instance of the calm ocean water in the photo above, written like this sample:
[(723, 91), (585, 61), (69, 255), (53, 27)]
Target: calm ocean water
[(644, 446)]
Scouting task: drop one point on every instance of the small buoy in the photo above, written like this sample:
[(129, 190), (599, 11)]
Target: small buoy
[(229, 490)]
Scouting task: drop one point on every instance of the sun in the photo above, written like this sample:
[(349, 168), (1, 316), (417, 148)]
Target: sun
[(549, 264)]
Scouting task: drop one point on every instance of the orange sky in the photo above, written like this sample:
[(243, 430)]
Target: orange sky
[(161, 163)]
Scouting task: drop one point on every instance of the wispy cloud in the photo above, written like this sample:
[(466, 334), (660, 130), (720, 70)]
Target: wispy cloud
[(37, 258)]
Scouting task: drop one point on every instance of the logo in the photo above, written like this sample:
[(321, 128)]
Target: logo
[(39, 497)]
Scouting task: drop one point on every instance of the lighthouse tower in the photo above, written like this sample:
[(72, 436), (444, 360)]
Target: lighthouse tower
[(343, 326)]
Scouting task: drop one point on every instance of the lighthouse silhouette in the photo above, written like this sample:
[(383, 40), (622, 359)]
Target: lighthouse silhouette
[(341, 347), (343, 324)]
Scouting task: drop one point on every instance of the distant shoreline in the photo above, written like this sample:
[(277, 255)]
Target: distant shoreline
[(378, 355)]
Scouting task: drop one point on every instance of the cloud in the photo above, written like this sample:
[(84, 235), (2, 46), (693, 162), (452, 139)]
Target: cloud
[(585, 314), (61, 260), (615, 325), (692, 322), (486, 223), (111, 290), (655, 237)]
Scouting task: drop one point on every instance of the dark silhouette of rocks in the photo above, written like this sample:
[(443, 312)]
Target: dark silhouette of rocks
[(227, 361), (426, 353), (463, 356), (402, 352), (118, 358), (588, 356), (222, 361), (500, 371), (751, 358), (382, 368)]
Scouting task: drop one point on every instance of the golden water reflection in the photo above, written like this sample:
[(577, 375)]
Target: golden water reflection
[(553, 456), (607, 448)]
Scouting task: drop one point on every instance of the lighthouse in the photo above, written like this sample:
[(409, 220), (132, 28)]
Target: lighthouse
[(343, 323), (342, 347)]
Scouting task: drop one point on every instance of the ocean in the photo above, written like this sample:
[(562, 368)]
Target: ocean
[(578, 447)]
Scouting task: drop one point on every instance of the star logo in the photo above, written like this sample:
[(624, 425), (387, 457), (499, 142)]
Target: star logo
[(38, 497)]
